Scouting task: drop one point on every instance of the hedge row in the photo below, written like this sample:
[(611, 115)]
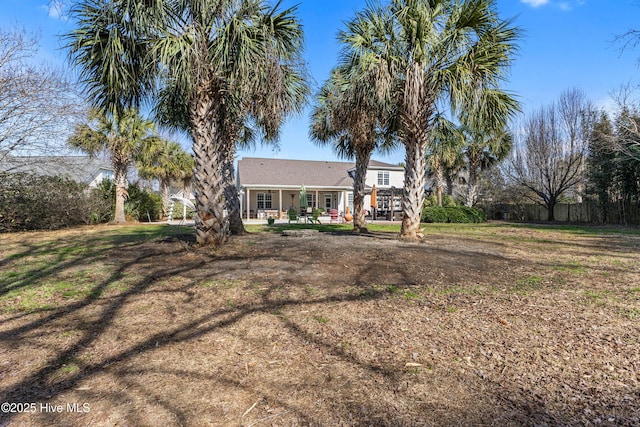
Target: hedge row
[(33, 202), (456, 214)]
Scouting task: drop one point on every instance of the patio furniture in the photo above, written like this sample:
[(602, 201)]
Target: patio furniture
[(314, 215), (303, 214), (335, 216), (293, 215)]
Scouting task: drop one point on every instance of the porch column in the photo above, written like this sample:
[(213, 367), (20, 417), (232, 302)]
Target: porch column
[(248, 202), (317, 198), (344, 202), (280, 197)]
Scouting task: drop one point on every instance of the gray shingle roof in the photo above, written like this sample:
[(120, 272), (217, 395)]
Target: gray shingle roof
[(294, 173), (78, 168)]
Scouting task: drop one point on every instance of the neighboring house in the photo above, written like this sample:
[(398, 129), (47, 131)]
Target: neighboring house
[(269, 187), (82, 169)]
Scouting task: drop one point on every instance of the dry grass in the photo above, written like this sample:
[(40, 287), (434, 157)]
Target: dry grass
[(478, 325)]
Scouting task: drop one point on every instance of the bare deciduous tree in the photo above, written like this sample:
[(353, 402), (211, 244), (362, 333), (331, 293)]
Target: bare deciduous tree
[(626, 140), (629, 143), (549, 161), (38, 105)]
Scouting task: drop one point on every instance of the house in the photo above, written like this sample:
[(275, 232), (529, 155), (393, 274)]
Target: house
[(269, 187), (82, 169)]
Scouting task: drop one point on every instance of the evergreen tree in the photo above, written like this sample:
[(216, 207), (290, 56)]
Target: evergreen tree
[(601, 164)]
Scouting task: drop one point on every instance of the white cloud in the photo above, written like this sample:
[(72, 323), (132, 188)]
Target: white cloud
[(535, 3), (562, 5)]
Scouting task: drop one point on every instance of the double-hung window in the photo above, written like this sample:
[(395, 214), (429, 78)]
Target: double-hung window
[(311, 200), (264, 200), (383, 178)]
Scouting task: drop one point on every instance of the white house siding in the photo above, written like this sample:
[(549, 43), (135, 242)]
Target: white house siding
[(396, 179), (100, 176)]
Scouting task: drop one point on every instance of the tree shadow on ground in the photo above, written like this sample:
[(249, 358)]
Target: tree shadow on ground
[(169, 277)]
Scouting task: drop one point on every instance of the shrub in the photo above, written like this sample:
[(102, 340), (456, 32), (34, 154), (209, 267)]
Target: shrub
[(448, 201), (35, 202), (476, 215), (432, 201), (142, 205), (178, 210), (104, 196), (429, 201), (455, 214), (434, 214)]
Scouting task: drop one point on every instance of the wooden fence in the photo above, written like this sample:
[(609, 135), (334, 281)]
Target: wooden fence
[(587, 212)]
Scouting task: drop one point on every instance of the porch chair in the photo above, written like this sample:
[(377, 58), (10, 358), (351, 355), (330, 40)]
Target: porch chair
[(313, 214), (335, 216), (293, 215)]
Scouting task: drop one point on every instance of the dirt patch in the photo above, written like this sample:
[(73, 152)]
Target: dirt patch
[(490, 325)]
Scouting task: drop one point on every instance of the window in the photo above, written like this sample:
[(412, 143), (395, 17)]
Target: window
[(350, 201), (264, 200), (311, 200), (383, 178)]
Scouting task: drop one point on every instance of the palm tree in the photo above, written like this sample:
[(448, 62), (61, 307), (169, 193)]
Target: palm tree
[(347, 114), (123, 137), (213, 63), (282, 90), (483, 150), (443, 154), (452, 171), (167, 162), (439, 54)]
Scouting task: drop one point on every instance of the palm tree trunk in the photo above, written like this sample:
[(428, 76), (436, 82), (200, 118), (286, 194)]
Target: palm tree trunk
[(413, 193), (120, 182), (439, 179), (231, 195), (211, 226), (449, 181), (472, 187), (166, 197), (362, 163)]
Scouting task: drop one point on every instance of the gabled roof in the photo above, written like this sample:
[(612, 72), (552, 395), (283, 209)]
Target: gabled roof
[(78, 168), (374, 164), (258, 172)]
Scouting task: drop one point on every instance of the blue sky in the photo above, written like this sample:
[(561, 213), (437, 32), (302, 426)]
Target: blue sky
[(566, 44)]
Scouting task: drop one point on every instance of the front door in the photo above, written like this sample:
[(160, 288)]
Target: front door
[(327, 201)]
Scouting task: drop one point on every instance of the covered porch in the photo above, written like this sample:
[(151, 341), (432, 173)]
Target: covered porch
[(388, 202), (261, 202)]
